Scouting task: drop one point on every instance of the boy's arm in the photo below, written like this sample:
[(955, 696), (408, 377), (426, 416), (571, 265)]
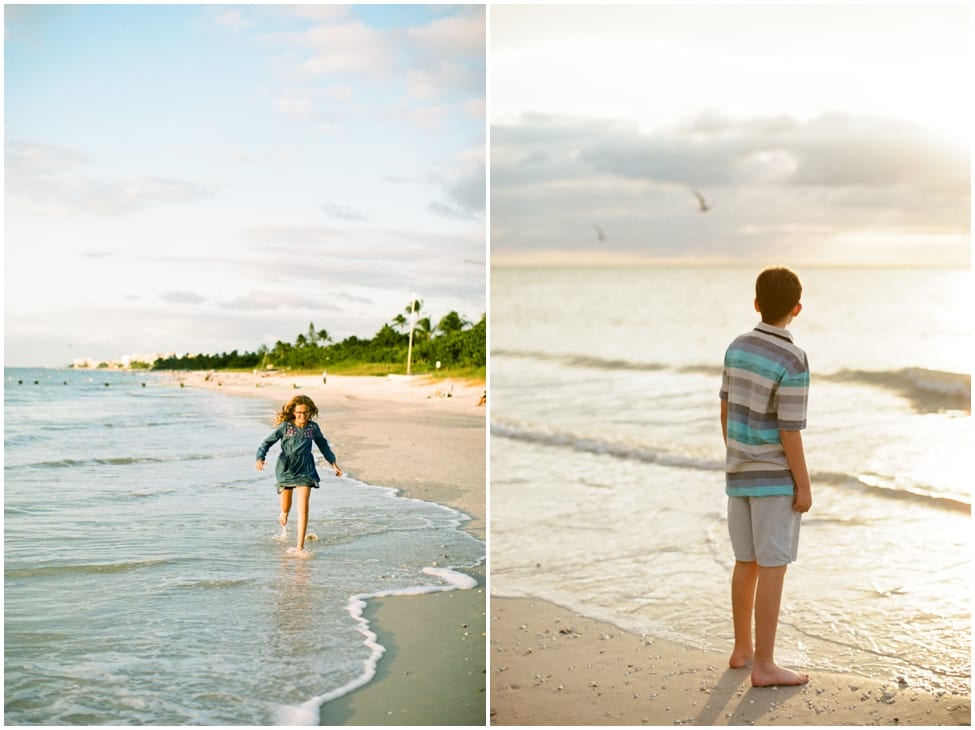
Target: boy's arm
[(794, 454), (724, 421)]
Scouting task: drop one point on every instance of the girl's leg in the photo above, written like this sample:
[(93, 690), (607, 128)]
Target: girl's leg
[(285, 506), (303, 495)]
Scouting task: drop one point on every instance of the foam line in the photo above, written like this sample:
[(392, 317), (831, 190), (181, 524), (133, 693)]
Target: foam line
[(308, 712)]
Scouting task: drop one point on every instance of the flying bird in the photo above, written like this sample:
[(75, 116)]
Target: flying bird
[(600, 235), (702, 203)]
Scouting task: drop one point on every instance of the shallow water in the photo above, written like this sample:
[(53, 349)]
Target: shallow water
[(146, 581), (607, 484)]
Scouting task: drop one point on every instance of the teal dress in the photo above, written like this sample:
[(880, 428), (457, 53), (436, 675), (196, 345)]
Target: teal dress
[(296, 464)]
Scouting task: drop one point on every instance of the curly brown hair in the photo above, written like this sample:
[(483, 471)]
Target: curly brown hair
[(287, 412)]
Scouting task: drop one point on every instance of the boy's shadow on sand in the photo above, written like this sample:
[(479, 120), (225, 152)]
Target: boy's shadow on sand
[(746, 709)]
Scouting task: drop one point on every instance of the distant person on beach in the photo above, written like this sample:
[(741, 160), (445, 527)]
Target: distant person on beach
[(764, 392), (295, 470)]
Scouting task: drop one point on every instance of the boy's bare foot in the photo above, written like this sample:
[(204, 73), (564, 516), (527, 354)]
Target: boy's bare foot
[(740, 660), (777, 677), (283, 519), (299, 552)]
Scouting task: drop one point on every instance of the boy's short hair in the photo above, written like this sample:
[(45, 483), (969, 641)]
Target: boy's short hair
[(777, 291)]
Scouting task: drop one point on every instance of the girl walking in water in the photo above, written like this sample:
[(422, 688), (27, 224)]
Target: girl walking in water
[(295, 470)]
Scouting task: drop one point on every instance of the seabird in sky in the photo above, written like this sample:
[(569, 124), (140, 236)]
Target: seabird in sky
[(704, 207)]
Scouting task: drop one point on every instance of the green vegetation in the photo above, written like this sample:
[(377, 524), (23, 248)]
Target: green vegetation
[(458, 345)]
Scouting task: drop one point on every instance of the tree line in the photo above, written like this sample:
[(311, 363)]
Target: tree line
[(454, 342)]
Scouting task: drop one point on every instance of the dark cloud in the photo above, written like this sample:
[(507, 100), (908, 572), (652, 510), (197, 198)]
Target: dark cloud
[(464, 196), (772, 181)]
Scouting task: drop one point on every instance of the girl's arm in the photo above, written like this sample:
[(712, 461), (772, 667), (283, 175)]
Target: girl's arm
[(323, 446), (265, 446)]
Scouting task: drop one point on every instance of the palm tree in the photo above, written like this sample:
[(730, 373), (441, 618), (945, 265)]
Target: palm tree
[(451, 323), (424, 329), (400, 321)]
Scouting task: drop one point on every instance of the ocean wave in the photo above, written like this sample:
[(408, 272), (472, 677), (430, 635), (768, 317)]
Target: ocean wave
[(607, 447), (118, 461), (888, 487), (41, 571), (591, 362), (928, 390)]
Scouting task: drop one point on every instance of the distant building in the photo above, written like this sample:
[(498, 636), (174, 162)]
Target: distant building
[(124, 362)]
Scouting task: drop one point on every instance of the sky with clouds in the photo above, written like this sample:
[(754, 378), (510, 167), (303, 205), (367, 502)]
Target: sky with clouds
[(827, 134), (201, 179)]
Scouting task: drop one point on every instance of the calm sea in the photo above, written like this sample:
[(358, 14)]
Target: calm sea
[(145, 579), (607, 483)]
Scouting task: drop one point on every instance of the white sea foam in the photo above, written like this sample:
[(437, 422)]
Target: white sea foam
[(308, 713)]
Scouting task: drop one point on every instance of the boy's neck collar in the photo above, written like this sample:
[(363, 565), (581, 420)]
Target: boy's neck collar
[(774, 330)]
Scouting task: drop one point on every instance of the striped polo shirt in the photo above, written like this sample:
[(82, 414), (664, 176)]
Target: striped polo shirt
[(766, 384)]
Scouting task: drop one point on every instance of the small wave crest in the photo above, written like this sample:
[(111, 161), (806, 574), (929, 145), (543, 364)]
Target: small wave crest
[(601, 446), (928, 390), (888, 487), (118, 461), (581, 361), (58, 570)]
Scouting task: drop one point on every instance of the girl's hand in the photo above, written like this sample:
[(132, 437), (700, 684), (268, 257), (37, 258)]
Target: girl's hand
[(338, 470), (259, 465)]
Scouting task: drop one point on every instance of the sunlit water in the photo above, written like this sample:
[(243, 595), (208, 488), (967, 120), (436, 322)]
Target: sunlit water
[(146, 581), (607, 483)]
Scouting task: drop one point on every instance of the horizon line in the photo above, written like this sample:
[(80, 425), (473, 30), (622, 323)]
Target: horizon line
[(556, 258)]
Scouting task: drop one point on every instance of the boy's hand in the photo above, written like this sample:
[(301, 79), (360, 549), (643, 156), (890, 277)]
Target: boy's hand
[(259, 465), (338, 470), (802, 500)]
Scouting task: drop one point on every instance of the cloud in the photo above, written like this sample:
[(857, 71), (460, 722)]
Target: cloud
[(774, 181), (182, 297), (232, 19), (465, 196), (436, 68), (347, 47), (344, 213), (449, 54), (52, 180)]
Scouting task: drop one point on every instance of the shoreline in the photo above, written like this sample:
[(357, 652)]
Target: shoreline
[(403, 433), (552, 666)]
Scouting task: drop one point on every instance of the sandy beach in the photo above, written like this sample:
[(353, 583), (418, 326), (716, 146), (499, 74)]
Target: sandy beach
[(427, 439), (550, 666)]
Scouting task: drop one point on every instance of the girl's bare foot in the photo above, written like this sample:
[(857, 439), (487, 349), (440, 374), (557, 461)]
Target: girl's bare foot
[(740, 660), (776, 676), (299, 552), (283, 519)]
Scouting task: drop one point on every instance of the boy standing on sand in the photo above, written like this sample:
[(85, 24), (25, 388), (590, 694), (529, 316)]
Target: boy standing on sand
[(764, 391)]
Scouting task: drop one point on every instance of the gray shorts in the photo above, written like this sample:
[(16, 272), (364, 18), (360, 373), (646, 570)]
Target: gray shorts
[(764, 530)]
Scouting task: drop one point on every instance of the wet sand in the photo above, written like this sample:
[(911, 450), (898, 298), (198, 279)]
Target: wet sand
[(407, 434), (550, 666)]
